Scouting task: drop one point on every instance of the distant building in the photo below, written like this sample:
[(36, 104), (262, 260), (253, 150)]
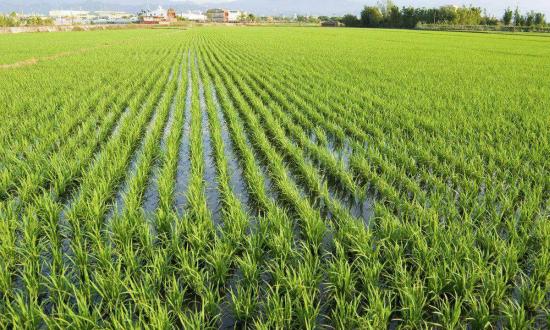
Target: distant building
[(195, 17), (234, 16), (106, 14), (159, 16), (219, 15), (69, 17), (171, 15), (69, 13)]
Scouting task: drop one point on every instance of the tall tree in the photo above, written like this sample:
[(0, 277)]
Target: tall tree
[(394, 17), (371, 17), (540, 19), (518, 18), (507, 18), (530, 18), (350, 21)]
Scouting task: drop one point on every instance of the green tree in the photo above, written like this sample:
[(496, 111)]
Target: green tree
[(450, 15), (540, 19), (488, 20), (394, 17), (11, 20), (350, 21), (530, 18), (385, 7), (371, 17), (409, 18), (468, 16), (508, 15), (518, 18)]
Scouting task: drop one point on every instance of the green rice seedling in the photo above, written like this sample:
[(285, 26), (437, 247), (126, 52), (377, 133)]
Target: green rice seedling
[(345, 313), (188, 267), (336, 207), (307, 310), (60, 178), (220, 260), (24, 314), (195, 320), (245, 303), (43, 147), (248, 266), (413, 301), (449, 313), (380, 191), (279, 310), (255, 180), (480, 315), (341, 281), (379, 307), (314, 227), (356, 131), (333, 169), (516, 316), (170, 161), (531, 295), (198, 213), (280, 238)]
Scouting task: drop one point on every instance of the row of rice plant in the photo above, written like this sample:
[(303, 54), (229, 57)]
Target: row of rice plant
[(275, 178)]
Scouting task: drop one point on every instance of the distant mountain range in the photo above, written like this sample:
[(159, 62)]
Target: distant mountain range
[(260, 7)]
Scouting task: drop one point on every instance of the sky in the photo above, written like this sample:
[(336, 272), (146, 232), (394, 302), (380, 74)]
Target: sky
[(495, 7), (267, 7)]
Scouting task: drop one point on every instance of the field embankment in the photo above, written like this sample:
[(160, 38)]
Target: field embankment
[(70, 28)]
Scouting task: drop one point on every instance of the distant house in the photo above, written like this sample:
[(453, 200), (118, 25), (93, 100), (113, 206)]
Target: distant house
[(159, 16), (195, 17), (109, 14), (234, 16), (69, 17), (69, 13), (171, 15), (217, 15)]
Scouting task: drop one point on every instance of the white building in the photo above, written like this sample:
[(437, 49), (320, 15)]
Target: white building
[(68, 13), (159, 16), (195, 17), (107, 14), (69, 17), (234, 16), (159, 12)]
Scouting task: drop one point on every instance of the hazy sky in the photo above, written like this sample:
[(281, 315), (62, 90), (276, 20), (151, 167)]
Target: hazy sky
[(493, 6), (271, 7)]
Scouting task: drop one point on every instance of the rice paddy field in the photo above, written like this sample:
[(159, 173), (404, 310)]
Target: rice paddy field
[(274, 178)]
